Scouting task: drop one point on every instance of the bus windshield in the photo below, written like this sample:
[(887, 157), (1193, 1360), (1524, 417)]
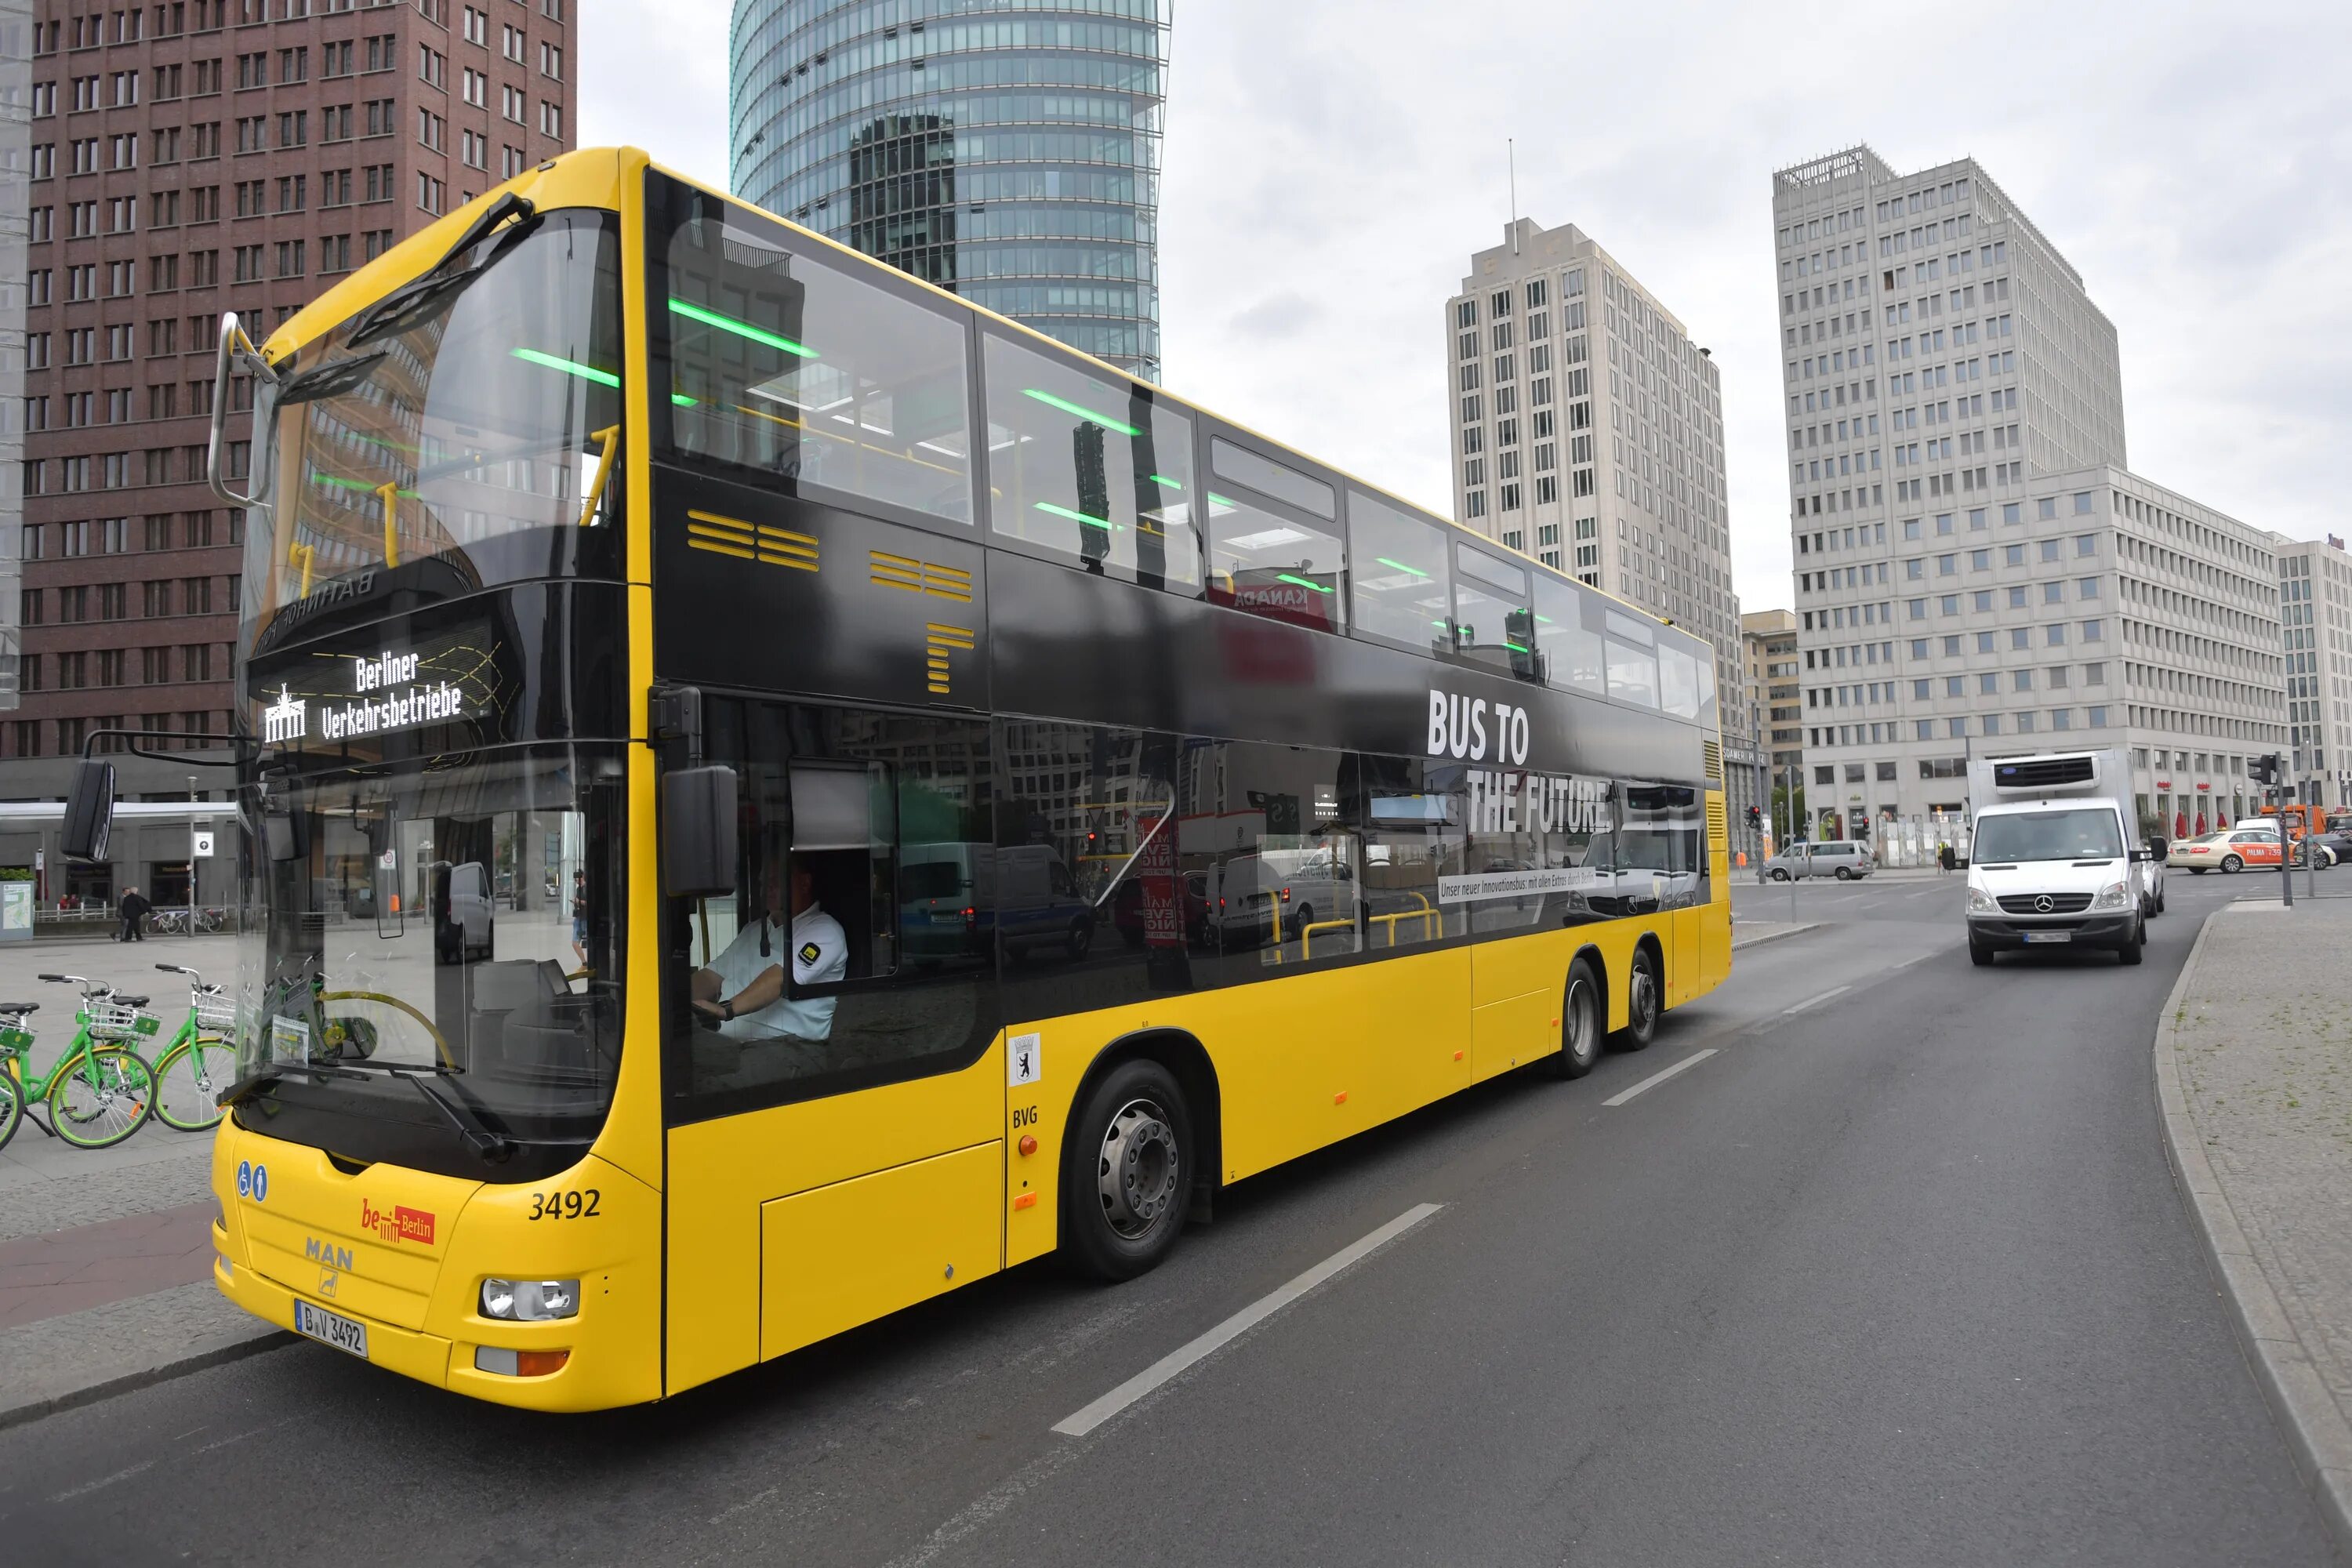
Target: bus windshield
[(452, 431), (461, 922)]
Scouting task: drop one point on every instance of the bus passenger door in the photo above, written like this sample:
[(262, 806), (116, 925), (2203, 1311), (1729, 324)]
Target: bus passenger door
[(835, 1151)]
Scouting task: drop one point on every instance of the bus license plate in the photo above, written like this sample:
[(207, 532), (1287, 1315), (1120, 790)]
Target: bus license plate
[(329, 1329), (2049, 936)]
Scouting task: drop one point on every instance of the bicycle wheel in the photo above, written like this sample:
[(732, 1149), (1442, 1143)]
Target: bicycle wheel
[(12, 1106), (190, 1081), (102, 1098)]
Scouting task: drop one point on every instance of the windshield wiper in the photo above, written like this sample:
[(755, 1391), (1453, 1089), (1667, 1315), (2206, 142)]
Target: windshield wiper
[(420, 297), (493, 1146), (330, 380)]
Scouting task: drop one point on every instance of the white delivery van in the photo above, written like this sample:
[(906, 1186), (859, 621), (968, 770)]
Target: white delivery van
[(2057, 859)]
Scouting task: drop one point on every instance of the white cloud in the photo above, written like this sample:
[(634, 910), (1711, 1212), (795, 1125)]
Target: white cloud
[(1330, 166)]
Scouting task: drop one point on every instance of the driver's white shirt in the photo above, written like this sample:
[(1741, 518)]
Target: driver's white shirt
[(819, 954)]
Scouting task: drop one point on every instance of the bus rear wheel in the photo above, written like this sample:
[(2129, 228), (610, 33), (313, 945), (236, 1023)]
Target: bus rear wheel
[(1644, 998), (1582, 1023), (1126, 1173)]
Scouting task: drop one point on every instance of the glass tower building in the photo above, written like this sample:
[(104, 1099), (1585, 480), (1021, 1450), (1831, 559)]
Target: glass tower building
[(1007, 150)]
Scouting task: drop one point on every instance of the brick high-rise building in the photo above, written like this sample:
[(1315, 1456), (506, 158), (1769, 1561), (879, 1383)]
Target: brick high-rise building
[(190, 158)]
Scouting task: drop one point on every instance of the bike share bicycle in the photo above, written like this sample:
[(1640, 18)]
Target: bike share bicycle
[(200, 1064), (99, 1092)]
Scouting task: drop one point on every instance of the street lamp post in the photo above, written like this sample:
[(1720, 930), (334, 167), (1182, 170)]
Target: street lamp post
[(192, 854)]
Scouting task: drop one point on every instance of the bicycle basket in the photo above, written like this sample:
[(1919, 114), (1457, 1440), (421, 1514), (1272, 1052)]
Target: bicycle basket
[(114, 1018), (215, 1017)]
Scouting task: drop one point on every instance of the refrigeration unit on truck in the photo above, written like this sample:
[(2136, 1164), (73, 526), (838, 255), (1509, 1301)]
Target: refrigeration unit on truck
[(2058, 860)]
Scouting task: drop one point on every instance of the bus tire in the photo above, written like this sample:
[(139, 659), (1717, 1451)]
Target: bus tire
[(1645, 1000), (1583, 1024), (1127, 1171)]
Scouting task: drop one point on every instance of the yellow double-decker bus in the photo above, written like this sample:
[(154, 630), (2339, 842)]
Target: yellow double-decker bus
[(774, 794)]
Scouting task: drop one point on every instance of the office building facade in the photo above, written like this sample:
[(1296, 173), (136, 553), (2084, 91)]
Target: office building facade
[(1006, 150), (1775, 697), (187, 159), (15, 186), (1976, 571), (2316, 623), (1587, 431)]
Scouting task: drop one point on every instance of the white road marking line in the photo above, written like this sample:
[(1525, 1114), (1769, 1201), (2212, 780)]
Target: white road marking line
[(1811, 1002), (1909, 961), (89, 1487), (1924, 894), (1656, 1078), (1084, 1421)]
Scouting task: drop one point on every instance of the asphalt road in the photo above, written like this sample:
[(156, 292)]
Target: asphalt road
[(1896, 1275)]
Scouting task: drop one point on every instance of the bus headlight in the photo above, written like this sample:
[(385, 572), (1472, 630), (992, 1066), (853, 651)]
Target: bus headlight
[(2113, 896), (1981, 902), (531, 1301)]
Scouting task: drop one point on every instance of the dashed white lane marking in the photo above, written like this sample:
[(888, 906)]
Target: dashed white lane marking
[(1084, 1421), (1656, 1078), (103, 1482), (1811, 1002)]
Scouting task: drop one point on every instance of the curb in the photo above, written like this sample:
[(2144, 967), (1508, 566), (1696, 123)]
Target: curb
[(2314, 1423), (1737, 942), (216, 1351)]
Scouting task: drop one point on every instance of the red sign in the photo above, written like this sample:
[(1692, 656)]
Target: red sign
[(1155, 870), (403, 1224)]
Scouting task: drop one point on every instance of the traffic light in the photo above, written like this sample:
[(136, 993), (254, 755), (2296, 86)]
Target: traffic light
[(2266, 769), (1755, 815)]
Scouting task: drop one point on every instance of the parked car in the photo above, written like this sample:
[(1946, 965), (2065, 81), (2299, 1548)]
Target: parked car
[(1844, 859)]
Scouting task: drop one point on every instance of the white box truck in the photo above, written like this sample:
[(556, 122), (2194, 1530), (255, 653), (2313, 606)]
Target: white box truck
[(2057, 859)]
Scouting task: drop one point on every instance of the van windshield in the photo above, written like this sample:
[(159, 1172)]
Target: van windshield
[(2078, 833)]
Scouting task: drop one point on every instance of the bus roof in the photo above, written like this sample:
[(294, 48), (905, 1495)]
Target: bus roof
[(605, 177)]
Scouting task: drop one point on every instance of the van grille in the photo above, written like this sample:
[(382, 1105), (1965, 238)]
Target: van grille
[(2044, 772), (2030, 903)]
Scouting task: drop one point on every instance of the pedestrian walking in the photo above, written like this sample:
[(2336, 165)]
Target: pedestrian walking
[(134, 909), (1944, 857)]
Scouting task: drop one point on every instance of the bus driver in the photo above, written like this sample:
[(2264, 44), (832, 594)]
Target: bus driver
[(741, 996)]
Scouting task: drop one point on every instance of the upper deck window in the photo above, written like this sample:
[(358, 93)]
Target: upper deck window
[(803, 374), (446, 438), (1401, 591), (1494, 617), (1101, 474), (1282, 561)]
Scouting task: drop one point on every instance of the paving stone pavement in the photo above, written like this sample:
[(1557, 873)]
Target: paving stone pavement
[(49, 1275), (2259, 1036)]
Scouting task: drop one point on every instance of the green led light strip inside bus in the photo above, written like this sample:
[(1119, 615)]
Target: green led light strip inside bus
[(1082, 411), (740, 329)]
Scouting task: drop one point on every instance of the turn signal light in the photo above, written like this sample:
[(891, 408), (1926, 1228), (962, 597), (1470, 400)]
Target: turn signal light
[(1028, 1144), (518, 1363)]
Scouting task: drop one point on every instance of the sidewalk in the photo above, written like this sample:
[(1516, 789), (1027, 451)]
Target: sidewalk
[(2254, 1073), (1748, 933)]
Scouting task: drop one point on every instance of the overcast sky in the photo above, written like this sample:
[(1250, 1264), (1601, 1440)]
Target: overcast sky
[(1330, 166)]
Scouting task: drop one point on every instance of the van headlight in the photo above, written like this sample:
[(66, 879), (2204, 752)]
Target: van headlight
[(2114, 896), (1981, 902), (531, 1301)]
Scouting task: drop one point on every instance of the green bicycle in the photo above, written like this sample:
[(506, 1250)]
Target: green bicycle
[(100, 1093), (197, 1069)]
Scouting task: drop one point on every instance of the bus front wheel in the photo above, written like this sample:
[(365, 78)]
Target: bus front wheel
[(1125, 1172), (1644, 996)]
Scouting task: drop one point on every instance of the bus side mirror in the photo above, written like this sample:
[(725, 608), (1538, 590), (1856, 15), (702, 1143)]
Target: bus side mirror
[(698, 837), (285, 826), (89, 810)]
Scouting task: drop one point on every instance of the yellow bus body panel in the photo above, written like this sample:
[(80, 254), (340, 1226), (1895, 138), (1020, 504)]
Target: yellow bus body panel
[(723, 1173), (821, 1271)]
